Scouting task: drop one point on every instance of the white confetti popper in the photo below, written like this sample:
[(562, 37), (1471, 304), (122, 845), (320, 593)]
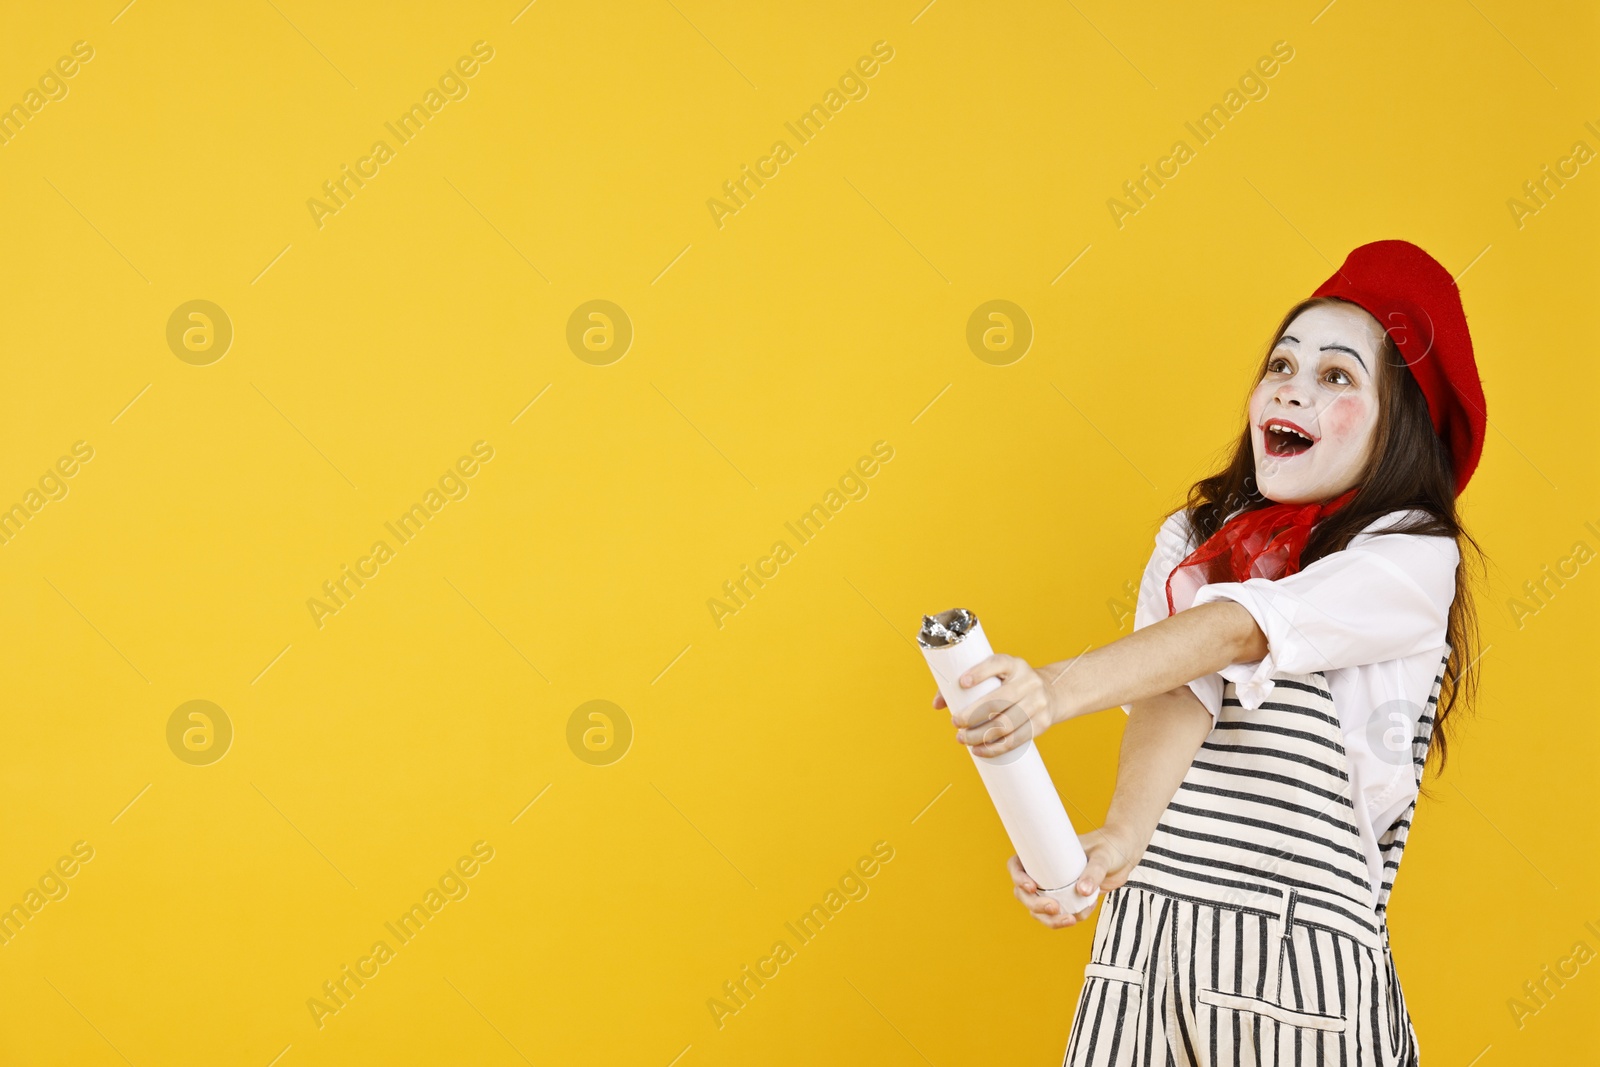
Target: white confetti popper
[(1018, 783)]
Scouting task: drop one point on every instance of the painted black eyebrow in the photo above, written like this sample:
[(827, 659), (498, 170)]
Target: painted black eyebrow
[(1331, 348)]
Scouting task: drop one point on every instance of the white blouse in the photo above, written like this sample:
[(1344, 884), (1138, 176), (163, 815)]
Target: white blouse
[(1372, 617)]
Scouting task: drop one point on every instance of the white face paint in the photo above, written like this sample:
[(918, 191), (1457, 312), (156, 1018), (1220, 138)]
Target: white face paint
[(1321, 379)]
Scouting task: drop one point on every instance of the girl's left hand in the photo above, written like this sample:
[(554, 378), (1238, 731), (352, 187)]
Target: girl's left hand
[(1112, 852), (1047, 910), (1022, 708)]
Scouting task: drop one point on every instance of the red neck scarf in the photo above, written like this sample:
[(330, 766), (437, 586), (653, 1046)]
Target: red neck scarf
[(1264, 543)]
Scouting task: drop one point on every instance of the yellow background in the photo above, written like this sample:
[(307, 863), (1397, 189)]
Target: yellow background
[(769, 354)]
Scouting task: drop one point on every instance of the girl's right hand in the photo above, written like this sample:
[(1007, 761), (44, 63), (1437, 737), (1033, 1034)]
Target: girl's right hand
[(1112, 857), (1021, 708)]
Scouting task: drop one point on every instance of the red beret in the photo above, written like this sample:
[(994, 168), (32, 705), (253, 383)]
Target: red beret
[(1414, 298)]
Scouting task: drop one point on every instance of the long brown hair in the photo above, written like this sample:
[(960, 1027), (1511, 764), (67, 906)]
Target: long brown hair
[(1409, 467)]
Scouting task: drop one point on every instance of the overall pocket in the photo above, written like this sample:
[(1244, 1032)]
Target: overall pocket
[(1316, 974), (1271, 1010), (1106, 1031)]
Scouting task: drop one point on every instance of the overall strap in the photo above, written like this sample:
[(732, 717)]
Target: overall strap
[(1392, 842)]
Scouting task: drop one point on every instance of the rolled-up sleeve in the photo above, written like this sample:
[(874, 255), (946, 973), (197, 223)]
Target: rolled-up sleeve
[(1172, 545), (1384, 596)]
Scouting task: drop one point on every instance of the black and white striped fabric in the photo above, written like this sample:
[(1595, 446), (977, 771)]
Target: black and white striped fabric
[(1249, 932)]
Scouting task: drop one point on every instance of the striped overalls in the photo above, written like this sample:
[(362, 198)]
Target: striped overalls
[(1248, 932)]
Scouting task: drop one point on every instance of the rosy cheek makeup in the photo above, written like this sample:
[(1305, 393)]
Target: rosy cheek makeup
[(1346, 418)]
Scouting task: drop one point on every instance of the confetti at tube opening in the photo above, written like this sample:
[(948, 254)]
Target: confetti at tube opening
[(946, 628)]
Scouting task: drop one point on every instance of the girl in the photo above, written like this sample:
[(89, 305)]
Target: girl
[(1302, 629)]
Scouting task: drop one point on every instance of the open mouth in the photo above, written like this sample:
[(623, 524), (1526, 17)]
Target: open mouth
[(1282, 439)]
